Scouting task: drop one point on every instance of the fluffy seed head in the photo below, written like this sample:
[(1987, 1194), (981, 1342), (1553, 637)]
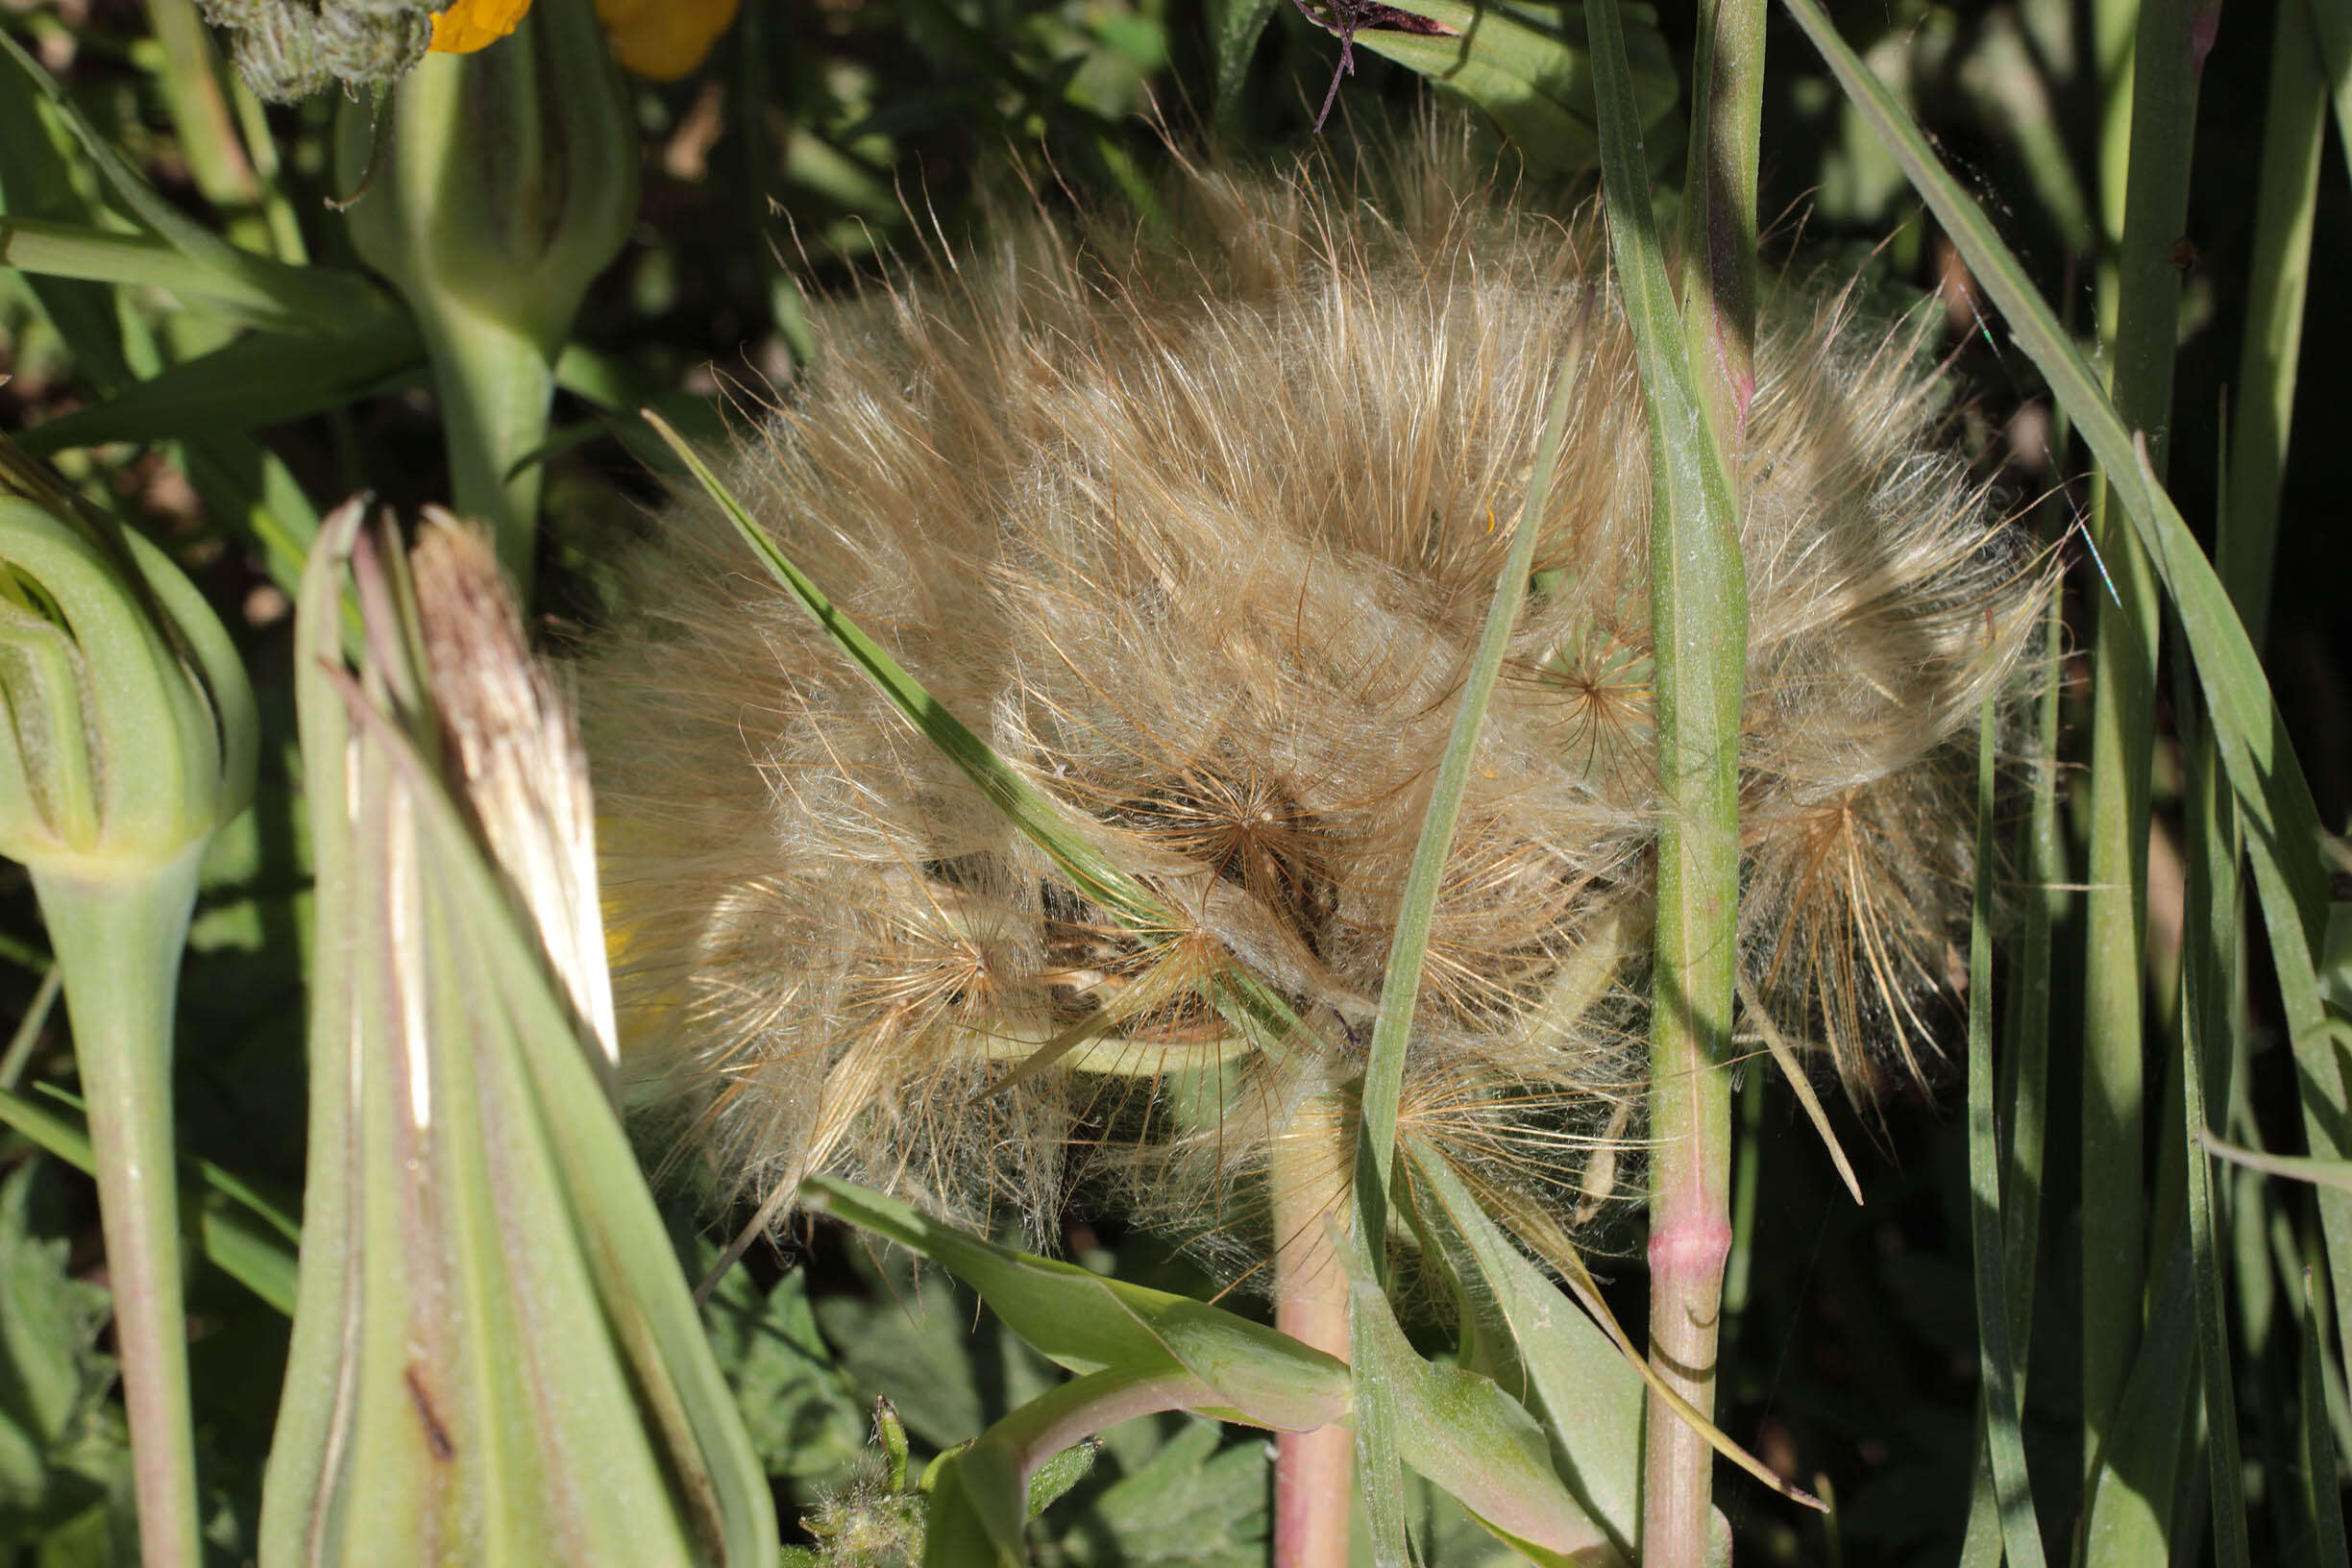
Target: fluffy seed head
[(1199, 530)]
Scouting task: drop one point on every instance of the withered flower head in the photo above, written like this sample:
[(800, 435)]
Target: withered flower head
[(1199, 532)]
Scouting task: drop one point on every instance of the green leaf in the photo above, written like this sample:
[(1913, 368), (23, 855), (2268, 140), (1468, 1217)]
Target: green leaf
[(51, 1374), (1383, 1080), (1052, 1481), (1088, 1323), (261, 378), (1533, 81), (1191, 1503), (2021, 1532), (1234, 27), (72, 250), (2280, 821), (2151, 1424), (1532, 1338), (315, 299), (803, 1417), (1471, 1438), (2332, 1173), (2322, 1497), (1256, 1012), (924, 1343)]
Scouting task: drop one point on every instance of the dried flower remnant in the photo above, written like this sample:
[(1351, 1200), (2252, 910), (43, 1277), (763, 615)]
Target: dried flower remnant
[(1199, 534)]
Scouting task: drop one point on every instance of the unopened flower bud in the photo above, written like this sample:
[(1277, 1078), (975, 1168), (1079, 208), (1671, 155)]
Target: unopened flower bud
[(507, 181), (132, 733)]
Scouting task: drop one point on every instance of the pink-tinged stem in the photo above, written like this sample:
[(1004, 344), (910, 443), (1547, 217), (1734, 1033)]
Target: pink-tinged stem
[(1690, 1238), (118, 938), (1314, 1472)]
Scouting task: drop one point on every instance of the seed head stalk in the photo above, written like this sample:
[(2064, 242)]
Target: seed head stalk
[(118, 938), (1699, 606), (1314, 1471)]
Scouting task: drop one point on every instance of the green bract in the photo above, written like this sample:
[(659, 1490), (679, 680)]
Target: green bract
[(495, 1356)]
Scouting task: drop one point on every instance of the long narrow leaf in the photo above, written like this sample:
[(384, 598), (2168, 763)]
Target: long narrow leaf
[(1401, 982), (247, 1238), (1472, 1439), (68, 250), (328, 299), (1699, 623), (2262, 398), (260, 378), (2322, 1494), (2209, 994), (1536, 1343), (1037, 818), (2021, 1532), (1536, 81), (1087, 1322), (2280, 819)]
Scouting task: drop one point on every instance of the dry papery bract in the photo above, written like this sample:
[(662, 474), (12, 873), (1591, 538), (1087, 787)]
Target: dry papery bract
[(1199, 532)]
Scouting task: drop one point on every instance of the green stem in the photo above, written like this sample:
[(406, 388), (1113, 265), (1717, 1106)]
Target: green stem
[(1314, 1471), (1700, 611), (1719, 254), (495, 384), (119, 937)]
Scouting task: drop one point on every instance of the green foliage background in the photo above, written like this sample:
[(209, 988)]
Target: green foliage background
[(825, 137)]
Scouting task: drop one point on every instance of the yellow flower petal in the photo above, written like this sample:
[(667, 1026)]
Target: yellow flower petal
[(664, 39), (474, 24)]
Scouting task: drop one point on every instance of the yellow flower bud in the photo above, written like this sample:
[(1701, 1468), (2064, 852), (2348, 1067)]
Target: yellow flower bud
[(664, 39)]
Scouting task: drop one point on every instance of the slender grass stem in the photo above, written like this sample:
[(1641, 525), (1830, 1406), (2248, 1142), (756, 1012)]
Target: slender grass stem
[(1314, 1471), (118, 938), (207, 130), (2163, 87)]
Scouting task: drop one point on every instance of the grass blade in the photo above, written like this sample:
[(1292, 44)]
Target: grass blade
[(1535, 81), (2021, 1532), (329, 301), (2143, 343), (2321, 1493), (2208, 1003), (248, 1237), (2285, 204), (1039, 819), (1234, 27), (1383, 1078), (2281, 822)]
